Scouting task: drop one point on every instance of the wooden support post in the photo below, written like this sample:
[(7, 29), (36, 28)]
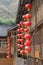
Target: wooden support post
[(15, 51)]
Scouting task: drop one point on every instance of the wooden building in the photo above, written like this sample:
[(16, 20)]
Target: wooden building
[(37, 30), (11, 32), (36, 56)]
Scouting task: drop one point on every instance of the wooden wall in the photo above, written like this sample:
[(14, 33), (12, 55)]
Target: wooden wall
[(13, 37), (37, 25), (37, 12), (3, 49), (5, 61)]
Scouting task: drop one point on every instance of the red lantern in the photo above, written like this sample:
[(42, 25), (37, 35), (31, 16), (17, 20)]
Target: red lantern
[(19, 50), (27, 23), (21, 46), (27, 36), (28, 43), (21, 23), (18, 30), (8, 56), (21, 29), (22, 52), (18, 45), (28, 16), (8, 52), (9, 48), (25, 30), (26, 52), (22, 35), (18, 40), (9, 44), (28, 6), (18, 35), (18, 25), (24, 17), (8, 41), (8, 38), (21, 40), (28, 49)]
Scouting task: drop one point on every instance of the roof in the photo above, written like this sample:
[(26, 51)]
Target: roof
[(4, 30)]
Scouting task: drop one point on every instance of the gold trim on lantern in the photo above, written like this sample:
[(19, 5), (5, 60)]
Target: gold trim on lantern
[(28, 9), (28, 19), (24, 19), (28, 27)]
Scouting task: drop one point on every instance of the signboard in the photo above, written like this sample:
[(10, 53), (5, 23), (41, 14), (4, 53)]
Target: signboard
[(36, 54)]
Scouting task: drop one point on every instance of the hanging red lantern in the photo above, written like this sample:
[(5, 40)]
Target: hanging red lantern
[(18, 25), (21, 46), (28, 6), (26, 52), (9, 48), (9, 44), (18, 45), (28, 43), (22, 52), (8, 41), (21, 23), (24, 17), (21, 29), (26, 30), (27, 23), (18, 35), (18, 30), (22, 35), (27, 36), (9, 52), (21, 40), (28, 16), (8, 56), (19, 50), (8, 38), (18, 40), (28, 48)]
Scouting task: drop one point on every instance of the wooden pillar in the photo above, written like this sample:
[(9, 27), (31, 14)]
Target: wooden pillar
[(15, 51)]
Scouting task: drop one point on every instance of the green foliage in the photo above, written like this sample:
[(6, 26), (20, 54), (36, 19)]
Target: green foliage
[(4, 9), (7, 21)]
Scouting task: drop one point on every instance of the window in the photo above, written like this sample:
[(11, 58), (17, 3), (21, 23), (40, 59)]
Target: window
[(0, 44), (4, 44)]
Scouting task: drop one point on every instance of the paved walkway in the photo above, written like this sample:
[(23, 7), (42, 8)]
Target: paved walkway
[(21, 61)]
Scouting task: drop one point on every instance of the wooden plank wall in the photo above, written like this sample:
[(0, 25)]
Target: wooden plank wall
[(37, 17), (5, 61), (37, 12)]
